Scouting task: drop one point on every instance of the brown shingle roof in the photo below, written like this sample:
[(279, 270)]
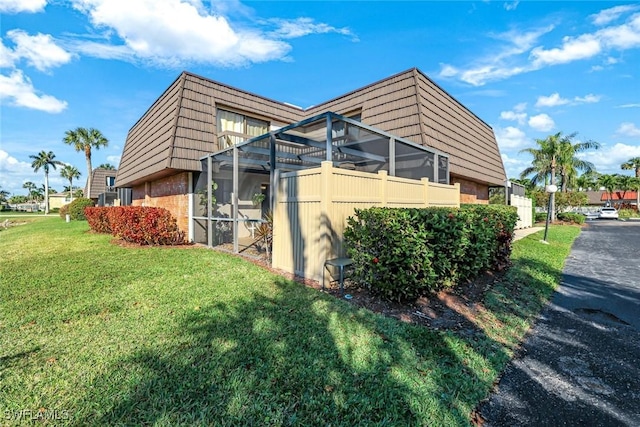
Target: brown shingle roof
[(180, 127), (99, 181)]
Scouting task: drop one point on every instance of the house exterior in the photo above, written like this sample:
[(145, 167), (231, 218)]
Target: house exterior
[(620, 199), (103, 186), (195, 116), (58, 200)]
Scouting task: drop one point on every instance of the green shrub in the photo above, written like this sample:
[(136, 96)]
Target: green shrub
[(76, 208), (401, 254), (628, 213), (64, 210), (541, 216), (572, 217), (54, 210)]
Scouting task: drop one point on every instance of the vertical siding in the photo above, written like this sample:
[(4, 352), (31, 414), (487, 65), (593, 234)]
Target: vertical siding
[(312, 208)]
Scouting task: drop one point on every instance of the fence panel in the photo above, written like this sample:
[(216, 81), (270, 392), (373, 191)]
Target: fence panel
[(312, 207), (525, 214)]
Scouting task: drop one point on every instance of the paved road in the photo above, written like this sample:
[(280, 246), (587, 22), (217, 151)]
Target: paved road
[(580, 365)]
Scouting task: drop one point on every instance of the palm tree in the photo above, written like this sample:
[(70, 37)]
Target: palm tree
[(70, 172), (609, 182), (569, 164), (44, 160), (84, 140), (587, 181), (556, 154), (543, 166), (107, 166), (30, 186), (3, 195), (633, 163)]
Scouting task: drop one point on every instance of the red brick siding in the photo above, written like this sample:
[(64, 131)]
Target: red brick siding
[(169, 193), (472, 192)]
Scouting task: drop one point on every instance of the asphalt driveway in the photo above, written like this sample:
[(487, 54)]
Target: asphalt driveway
[(580, 364)]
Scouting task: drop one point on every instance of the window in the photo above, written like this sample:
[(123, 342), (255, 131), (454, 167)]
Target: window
[(234, 128)]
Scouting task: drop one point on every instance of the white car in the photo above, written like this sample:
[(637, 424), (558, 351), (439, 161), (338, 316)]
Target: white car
[(608, 213)]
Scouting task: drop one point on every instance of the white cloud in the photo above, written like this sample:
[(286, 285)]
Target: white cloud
[(114, 160), (572, 49), (13, 173), (606, 16), (514, 165), (587, 99), (18, 6), (173, 32), (511, 5), (608, 159), (541, 122), (510, 137), (304, 26), (552, 100), (498, 65), (514, 116), (520, 107), (629, 106), (40, 51), (518, 54), (18, 90), (628, 129)]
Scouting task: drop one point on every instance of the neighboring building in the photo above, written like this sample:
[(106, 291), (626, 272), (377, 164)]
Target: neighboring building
[(195, 116), (103, 186), (620, 199), (58, 200)]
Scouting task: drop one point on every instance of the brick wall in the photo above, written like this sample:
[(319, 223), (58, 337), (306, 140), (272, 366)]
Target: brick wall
[(472, 192), (169, 193)]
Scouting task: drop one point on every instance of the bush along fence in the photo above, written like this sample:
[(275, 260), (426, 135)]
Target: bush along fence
[(401, 254), (136, 224)]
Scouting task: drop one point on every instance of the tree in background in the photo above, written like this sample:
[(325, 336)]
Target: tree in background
[(107, 166), (30, 187), (70, 172), (83, 139), (609, 182), (44, 160), (587, 181), (632, 164), (568, 162), (556, 155), (3, 195)]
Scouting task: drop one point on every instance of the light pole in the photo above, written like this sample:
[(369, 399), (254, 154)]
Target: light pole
[(549, 189)]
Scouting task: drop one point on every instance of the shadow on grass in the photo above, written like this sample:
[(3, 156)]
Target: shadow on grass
[(295, 358)]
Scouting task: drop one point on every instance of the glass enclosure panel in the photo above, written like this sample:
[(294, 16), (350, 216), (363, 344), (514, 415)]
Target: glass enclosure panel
[(443, 170), (413, 162), (369, 154)]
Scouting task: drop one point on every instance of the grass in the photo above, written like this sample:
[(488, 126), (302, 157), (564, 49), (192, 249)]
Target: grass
[(92, 334)]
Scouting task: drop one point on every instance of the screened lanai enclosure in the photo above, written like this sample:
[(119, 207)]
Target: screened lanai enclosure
[(239, 185)]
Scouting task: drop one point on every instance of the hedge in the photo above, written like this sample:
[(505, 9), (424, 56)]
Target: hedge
[(136, 224), (76, 208), (402, 253)]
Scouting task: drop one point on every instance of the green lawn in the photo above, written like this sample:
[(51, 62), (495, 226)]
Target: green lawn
[(94, 334)]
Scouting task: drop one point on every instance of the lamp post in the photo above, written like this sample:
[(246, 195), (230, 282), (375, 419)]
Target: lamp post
[(549, 189)]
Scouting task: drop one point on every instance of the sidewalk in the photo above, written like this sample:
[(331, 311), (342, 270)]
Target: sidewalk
[(524, 232)]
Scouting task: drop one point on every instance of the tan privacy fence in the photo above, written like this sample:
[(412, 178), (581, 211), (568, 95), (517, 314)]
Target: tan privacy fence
[(525, 214), (311, 208)]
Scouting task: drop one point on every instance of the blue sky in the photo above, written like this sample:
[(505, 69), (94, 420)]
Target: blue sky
[(527, 68)]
